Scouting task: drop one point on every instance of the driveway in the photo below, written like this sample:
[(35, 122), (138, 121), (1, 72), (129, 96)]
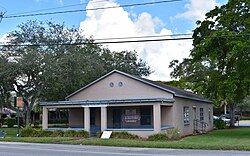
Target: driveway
[(31, 149)]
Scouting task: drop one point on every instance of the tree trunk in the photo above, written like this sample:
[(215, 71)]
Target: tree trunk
[(232, 108), (29, 106), (28, 116)]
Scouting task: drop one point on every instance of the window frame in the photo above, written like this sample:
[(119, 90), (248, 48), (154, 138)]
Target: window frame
[(186, 115), (209, 114), (202, 114)]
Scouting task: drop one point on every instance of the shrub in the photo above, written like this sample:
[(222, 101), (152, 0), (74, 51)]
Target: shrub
[(70, 133), (220, 124), (158, 137), (10, 122), (32, 132), (58, 133), (83, 133), (124, 135), (120, 135), (245, 118), (27, 132), (169, 134), (41, 133), (37, 122), (173, 134)]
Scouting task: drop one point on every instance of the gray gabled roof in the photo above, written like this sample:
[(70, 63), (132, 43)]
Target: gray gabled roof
[(170, 89)]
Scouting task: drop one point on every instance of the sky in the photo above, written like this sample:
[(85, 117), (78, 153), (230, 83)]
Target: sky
[(169, 18)]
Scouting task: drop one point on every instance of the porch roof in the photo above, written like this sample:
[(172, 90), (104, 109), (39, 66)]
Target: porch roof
[(106, 102)]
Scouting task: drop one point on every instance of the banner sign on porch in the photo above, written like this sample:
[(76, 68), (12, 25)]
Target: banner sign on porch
[(19, 102), (106, 134), (132, 118)]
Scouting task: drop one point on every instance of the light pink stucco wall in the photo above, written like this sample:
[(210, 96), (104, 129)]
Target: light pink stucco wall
[(131, 89), (166, 115), (179, 117)]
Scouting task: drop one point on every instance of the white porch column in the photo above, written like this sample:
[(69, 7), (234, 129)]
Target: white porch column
[(157, 117), (104, 118), (87, 119), (45, 118)]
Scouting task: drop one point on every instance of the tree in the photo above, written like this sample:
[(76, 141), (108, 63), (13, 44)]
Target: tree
[(6, 81), (244, 106), (47, 61), (219, 67)]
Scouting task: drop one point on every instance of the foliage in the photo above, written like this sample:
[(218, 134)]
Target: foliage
[(6, 82), (219, 67), (123, 135), (120, 135), (26, 132), (60, 61), (220, 124), (179, 84), (245, 104), (158, 137), (10, 122), (37, 122), (31, 132), (245, 118), (169, 134), (173, 134)]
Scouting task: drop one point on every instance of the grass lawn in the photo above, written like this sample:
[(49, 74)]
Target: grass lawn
[(11, 132), (228, 139)]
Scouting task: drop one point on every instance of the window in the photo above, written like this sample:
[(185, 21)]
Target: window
[(145, 116), (186, 115), (111, 84), (201, 114), (209, 114), (120, 84)]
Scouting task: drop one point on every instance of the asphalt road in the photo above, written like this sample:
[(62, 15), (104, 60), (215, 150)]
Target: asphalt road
[(30, 149)]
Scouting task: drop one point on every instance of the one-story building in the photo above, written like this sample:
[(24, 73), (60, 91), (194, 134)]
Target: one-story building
[(119, 101)]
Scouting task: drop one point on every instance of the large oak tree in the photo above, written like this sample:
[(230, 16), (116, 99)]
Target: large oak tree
[(47, 61), (219, 63)]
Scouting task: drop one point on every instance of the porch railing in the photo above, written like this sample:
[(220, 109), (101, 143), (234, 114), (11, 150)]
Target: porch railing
[(200, 126)]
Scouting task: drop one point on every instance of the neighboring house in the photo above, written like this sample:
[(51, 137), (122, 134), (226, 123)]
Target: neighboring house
[(119, 101), (7, 112)]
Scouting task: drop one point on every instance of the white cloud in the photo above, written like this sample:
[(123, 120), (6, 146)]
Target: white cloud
[(113, 23), (4, 39), (196, 9)]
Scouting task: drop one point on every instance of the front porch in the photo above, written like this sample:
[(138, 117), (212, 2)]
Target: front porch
[(142, 119)]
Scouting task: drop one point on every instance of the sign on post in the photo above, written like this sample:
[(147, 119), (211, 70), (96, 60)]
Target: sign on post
[(19, 102)]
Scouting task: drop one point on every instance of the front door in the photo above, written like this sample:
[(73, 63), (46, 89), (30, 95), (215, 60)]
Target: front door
[(94, 121), (194, 112)]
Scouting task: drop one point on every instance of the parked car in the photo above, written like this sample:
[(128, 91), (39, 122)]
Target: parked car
[(227, 118), (216, 117)]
